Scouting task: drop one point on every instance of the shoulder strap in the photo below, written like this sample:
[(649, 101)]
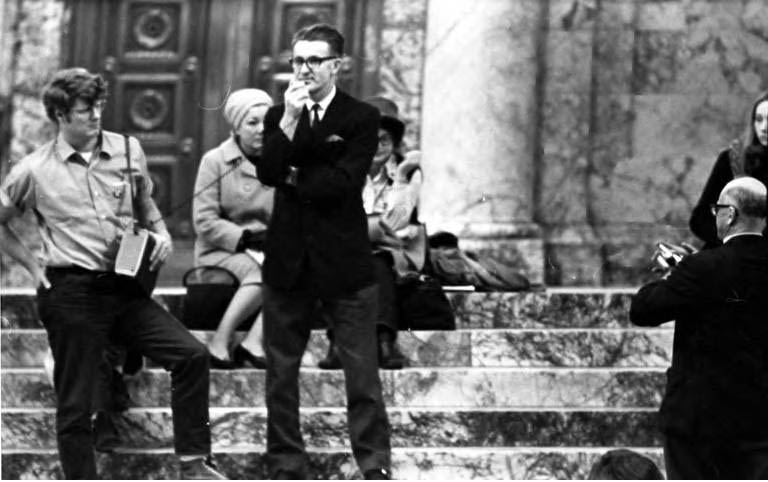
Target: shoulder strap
[(130, 181)]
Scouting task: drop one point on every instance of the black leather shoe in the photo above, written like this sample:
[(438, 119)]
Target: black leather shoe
[(390, 357), (220, 364), (377, 474), (105, 435), (201, 468), (331, 360), (241, 356)]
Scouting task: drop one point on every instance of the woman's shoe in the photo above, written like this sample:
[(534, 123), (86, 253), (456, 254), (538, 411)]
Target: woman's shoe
[(220, 364), (241, 355)]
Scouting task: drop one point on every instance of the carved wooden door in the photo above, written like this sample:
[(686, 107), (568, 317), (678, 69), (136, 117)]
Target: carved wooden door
[(150, 52)]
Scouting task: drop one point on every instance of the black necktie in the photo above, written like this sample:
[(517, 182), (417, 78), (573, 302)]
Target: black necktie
[(315, 117)]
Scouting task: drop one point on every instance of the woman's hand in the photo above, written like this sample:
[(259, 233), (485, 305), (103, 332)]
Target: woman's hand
[(411, 162)]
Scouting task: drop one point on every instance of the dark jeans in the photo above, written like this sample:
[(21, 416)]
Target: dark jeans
[(686, 458), (80, 312), (287, 326)]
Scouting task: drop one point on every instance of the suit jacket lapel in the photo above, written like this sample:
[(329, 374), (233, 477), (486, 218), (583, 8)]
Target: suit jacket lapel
[(303, 130), (333, 116)]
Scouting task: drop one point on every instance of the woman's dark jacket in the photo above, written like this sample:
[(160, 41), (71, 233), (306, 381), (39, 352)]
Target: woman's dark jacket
[(702, 223)]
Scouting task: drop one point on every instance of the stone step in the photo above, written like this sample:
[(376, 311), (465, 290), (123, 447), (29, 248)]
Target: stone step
[(244, 428), (549, 308), (626, 347), (539, 388), (407, 463)]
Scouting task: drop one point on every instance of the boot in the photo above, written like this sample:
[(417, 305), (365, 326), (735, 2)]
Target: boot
[(390, 357)]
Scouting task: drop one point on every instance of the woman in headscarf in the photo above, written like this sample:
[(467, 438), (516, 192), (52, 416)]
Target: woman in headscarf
[(231, 213)]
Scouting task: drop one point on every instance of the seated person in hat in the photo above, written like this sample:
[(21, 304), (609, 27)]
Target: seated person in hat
[(390, 198)]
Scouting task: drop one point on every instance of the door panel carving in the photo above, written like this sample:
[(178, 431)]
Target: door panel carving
[(171, 64)]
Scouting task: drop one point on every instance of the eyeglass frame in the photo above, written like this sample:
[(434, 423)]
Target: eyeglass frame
[(386, 139), (312, 59), (715, 207), (97, 106)]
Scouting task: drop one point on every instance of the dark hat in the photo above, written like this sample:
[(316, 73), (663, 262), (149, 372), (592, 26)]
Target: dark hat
[(389, 118)]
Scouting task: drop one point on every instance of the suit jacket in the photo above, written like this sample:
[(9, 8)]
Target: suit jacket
[(318, 232), (717, 386)]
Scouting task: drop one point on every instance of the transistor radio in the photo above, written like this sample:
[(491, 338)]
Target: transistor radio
[(133, 257)]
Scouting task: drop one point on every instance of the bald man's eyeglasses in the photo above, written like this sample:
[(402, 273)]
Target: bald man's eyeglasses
[(714, 208)]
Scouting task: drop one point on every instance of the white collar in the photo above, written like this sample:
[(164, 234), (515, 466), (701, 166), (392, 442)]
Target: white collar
[(747, 233), (323, 103)]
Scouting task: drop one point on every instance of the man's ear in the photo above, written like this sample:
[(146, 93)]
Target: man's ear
[(734, 213), (337, 64)]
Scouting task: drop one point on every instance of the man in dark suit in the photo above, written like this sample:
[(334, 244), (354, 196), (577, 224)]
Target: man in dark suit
[(715, 411), (318, 146)]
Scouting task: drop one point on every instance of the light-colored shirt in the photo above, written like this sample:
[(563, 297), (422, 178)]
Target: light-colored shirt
[(229, 198), (731, 236), (82, 209), (323, 104), (394, 201)]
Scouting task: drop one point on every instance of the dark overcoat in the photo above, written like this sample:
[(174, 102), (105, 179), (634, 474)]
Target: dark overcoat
[(717, 386)]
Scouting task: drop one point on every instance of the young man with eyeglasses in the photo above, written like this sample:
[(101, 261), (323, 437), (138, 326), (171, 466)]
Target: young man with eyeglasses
[(318, 146), (78, 187), (715, 410)]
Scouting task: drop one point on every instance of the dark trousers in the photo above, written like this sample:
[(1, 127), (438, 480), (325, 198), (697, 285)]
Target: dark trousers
[(80, 312), (287, 326), (387, 314), (688, 458)]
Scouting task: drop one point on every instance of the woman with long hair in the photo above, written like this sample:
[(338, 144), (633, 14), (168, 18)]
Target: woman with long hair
[(747, 156)]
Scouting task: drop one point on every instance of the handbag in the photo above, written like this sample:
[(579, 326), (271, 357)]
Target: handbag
[(423, 304), (209, 291)]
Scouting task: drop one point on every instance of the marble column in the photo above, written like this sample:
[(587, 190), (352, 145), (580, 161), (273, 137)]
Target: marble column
[(479, 103)]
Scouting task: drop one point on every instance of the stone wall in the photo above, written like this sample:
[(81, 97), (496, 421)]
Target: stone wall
[(596, 122), (30, 51), (640, 98), (610, 112), (401, 61)]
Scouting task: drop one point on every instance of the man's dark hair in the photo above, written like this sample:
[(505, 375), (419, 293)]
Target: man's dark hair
[(67, 86), (324, 32), (623, 464)]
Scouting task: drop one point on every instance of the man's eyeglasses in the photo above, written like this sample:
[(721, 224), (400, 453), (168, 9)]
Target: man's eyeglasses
[(96, 107), (385, 140), (714, 208), (312, 62)]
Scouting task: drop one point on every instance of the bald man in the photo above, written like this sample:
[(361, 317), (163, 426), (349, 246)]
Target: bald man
[(715, 410)]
